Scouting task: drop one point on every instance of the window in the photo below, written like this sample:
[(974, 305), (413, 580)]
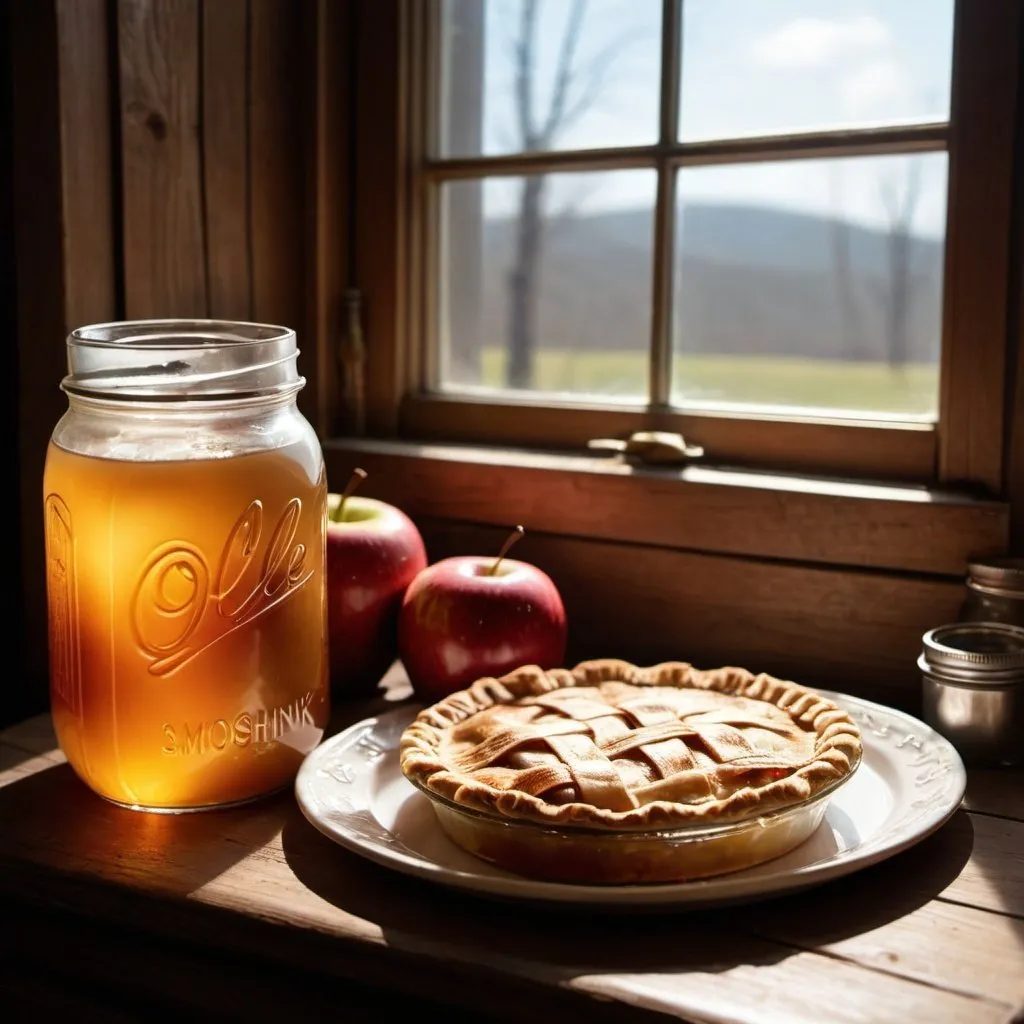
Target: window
[(778, 226)]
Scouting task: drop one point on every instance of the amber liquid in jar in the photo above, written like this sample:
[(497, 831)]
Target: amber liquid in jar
[(187, 621)]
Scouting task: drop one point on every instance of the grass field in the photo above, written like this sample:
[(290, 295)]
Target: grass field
[(911, 390)]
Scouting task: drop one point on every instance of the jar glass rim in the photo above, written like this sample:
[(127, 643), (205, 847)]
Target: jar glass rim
[(180, 360), (1000, 577), (177, 333)]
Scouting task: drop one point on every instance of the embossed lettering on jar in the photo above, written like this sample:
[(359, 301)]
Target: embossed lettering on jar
[(185, 508)]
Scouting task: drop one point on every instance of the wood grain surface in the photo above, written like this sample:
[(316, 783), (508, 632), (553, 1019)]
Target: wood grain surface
[(263, 915), (697, 508), (161, 161), (226, 171), (276, 128)]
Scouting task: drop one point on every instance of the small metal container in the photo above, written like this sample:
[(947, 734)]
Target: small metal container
[(995, 591), (973, 689)]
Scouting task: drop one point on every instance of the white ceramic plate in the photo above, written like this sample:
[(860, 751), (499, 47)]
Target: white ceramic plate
[(910, 781)]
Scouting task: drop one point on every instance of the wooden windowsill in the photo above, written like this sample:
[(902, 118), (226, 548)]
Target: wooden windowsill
[(251, 914), (697, 508)]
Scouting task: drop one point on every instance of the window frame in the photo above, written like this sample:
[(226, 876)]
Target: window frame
[(392, 175)]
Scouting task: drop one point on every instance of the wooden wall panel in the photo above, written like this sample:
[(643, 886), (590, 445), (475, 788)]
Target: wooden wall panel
[(90, 245), (380, 248), (327, 32), (164, 246), (212, 158), (1014, 482), (857, 632), (64, 247), (11, 413), (276, 166), (277, 129), (225, 139), (38, 255)]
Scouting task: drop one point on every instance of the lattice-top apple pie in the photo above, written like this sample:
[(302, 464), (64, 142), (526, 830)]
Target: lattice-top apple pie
[(621, 766)]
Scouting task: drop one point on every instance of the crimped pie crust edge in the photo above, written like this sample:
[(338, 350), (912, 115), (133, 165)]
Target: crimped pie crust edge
[(837, 750)]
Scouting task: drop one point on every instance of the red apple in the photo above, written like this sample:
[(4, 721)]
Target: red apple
[(467, 617), (374, 550)]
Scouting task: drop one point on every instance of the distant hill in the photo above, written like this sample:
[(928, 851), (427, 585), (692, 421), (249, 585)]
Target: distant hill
[(749, 280)]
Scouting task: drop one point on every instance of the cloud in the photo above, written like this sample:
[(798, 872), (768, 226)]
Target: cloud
[(876, 89), (815, 42)]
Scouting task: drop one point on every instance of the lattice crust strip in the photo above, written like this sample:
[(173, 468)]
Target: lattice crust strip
[(610, 744)]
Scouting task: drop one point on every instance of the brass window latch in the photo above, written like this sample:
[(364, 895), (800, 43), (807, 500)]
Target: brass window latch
[(650, 447)]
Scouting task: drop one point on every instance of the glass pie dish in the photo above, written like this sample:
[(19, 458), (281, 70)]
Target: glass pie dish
[(613, 773), (596, 856)]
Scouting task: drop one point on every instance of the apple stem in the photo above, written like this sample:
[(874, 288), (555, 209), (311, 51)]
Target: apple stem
[(517, 533), (358, 476)]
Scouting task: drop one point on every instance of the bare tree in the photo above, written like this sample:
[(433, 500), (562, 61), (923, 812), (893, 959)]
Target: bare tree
[(852, 325), (576, 85), (897, 292)]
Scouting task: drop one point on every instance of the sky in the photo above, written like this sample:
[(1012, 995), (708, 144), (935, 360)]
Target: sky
[(749, 67)]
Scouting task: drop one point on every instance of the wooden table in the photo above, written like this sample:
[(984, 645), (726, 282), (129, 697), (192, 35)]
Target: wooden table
[(251, 914)]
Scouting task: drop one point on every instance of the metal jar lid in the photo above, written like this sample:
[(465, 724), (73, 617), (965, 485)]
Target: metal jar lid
[(974, 653), (1001, 576)]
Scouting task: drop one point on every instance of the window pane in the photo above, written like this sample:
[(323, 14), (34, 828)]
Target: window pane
[(545, 283), (768, 67), (811, 284), (532, 75)]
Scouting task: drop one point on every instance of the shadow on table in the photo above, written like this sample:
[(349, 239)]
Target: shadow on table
[(997, 877), (52, 818), (418, 916), (13, 757), (874, 896), (31, 740)]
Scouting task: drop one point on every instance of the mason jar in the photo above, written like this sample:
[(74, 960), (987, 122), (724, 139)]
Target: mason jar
[(995, 591), (185, 504), (972, 677)]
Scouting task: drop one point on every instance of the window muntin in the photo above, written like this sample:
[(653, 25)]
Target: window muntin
[(641, 315)]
